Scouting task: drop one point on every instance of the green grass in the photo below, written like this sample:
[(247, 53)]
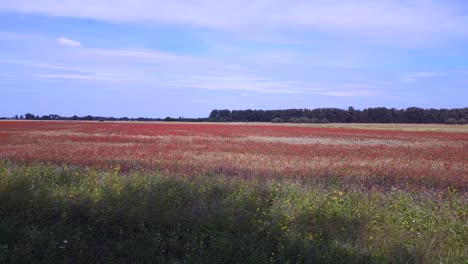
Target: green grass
[(381, 126), (59, 214)]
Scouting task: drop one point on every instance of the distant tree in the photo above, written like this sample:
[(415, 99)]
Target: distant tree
[(324, 121), (462, 121), (277, 120), (213, 114), (414, 115), (336, 115), (30, 116), (224, 115), (54, 117), (351, 114), (75, 117), (21, 117), (16, 117), (451, 121), (314, 120)]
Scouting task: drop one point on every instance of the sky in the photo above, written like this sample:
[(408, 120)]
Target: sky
[(153, 58)]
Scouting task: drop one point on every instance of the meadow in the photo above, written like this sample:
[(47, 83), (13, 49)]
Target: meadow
[(134, 192)]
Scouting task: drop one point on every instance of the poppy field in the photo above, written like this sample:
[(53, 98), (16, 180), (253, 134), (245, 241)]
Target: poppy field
[(373, 159), (130, 192)]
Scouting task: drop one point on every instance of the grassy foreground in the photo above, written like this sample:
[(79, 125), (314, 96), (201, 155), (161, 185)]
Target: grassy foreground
[(62, 214)]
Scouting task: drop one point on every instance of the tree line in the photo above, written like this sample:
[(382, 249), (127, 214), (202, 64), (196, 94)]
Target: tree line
[(301, 115), (30, 116), (351, 115)]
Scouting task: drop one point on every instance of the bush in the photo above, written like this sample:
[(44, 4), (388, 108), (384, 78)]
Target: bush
[(277, 120), (292, 120), (303, 120), (451, 121), (462, 121), (99, 216), (324, 121)]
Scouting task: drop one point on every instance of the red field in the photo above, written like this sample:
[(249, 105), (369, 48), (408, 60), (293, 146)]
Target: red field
[(371, 158)]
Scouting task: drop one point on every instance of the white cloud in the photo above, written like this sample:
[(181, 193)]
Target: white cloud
[(77, 77), (408, 80), (355, 85), (236, 81), (151, 70), (142, 55), (11, 36), (420, 75), (39, 65), (429, 74), (68, 42), (390, 21), (338, 94), (354, 93)]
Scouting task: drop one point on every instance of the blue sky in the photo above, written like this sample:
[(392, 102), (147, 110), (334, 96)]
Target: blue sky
[(184, 58)]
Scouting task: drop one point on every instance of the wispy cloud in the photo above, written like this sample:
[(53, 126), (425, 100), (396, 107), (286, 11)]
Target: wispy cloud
[(142, 55), (339, 94), (41, 65), (423, 75), (355, 85), (156, 70), (151, 68), (11, 35), (429, 74), (235, 81), (78, 77), (353, 93), (388, 20), (408, 80), (68, 42)]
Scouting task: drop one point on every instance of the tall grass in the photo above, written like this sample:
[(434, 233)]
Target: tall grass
[(63, 214)]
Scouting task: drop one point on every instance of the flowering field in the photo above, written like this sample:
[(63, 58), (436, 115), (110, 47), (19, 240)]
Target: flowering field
[(372, 158), (102, 192)]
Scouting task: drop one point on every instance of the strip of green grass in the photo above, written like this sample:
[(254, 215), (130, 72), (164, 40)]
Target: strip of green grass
[(51, 214)]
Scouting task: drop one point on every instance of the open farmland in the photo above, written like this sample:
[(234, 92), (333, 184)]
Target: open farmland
[(370, 158), (228, 193)]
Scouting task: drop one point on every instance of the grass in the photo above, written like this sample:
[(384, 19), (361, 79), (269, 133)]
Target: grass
[(70, 214), (401, 127), (372, 126)]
